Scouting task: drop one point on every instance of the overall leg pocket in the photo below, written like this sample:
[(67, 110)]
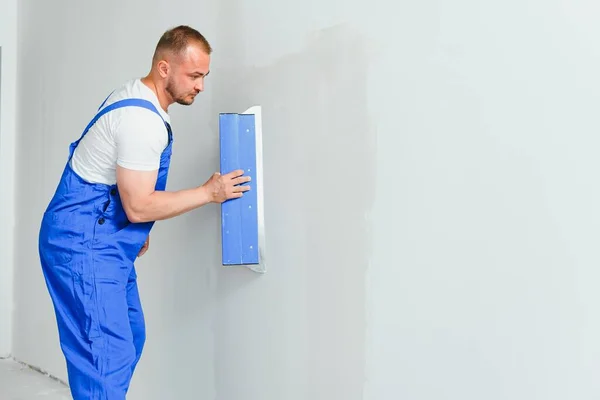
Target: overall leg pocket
[(119, 354), (86, 298)]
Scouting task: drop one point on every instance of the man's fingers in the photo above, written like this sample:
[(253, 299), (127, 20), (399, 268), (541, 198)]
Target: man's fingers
[(238, 189), (235, 174), (241, 179)]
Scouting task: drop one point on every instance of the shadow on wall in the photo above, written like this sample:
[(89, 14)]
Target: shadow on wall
[(319, 171)]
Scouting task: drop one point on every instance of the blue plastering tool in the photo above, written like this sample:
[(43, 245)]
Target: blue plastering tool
[(242, 219)]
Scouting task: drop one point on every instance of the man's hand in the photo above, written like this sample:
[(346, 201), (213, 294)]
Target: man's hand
[(224, 187), (144, 247)]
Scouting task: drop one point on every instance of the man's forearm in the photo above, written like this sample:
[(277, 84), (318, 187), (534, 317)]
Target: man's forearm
[(163, 205)]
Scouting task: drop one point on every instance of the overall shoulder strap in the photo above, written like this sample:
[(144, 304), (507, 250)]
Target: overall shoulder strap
[(104, 102), (124, 103), (132, 102)]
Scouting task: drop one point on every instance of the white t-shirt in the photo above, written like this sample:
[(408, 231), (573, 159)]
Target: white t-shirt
[(132, 137)]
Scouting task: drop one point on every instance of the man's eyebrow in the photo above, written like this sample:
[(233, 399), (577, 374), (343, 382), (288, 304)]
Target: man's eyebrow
[(200, 73)]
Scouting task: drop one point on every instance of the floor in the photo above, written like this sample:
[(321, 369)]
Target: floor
[(18, 382)]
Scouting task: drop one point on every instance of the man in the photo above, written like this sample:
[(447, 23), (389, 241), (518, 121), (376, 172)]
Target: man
[(111, 192)]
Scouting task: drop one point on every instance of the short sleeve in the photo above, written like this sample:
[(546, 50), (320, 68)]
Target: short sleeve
[(140, 137)]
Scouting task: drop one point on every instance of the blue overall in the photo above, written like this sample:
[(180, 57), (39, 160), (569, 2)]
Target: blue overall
[(87, 248)]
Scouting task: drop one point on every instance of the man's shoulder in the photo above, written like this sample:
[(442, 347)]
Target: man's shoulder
[(135, 89)]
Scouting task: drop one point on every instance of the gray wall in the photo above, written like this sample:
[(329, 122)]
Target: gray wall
[(8, 76), (430, 196)]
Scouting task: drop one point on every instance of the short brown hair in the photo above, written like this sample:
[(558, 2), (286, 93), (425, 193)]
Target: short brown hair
[(177, 39)]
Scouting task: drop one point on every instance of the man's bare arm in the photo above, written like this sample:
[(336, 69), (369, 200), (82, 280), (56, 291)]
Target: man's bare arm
[(142, 203)]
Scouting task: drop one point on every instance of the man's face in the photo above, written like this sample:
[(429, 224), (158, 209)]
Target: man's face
[(186, 76)]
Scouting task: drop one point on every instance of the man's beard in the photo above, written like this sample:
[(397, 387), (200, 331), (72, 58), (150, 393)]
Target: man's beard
[(170, 88)]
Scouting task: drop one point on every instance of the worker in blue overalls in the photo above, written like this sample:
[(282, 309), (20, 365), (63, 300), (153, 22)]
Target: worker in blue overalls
[(111, 192)]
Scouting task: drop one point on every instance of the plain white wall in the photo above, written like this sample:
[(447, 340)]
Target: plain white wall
[(484, 272), (430, 192), (8, 78)]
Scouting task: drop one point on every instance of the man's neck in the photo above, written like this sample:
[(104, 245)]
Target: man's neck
[(157, 90)]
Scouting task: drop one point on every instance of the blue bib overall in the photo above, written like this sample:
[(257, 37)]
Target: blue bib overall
[(87, 249)]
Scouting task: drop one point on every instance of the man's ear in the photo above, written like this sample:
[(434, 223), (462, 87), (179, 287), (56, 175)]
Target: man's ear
[(163, 68)]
